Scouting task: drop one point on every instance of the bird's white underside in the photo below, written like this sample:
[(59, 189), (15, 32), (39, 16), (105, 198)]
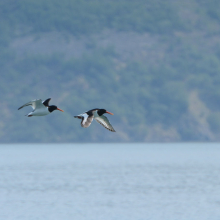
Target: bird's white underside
[(40, 112)]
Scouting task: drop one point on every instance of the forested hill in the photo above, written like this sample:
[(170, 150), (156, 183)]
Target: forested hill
[(155, 64)]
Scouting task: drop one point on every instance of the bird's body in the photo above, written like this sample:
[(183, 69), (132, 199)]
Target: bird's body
[(97, 114), (40, 108)]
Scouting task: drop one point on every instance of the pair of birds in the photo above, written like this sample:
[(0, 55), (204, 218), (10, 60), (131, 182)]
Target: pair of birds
[(41, 108)]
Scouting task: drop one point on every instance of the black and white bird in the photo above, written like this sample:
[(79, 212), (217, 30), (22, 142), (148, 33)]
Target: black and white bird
[(97, 114), (40, 108)]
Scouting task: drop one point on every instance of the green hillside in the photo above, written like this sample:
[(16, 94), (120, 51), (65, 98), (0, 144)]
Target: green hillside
[(154, 64)]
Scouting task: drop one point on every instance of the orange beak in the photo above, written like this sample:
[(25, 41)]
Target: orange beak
[(60, 109), (109, 113)]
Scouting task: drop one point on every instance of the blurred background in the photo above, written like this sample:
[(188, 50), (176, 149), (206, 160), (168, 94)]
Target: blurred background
[(155, 64)]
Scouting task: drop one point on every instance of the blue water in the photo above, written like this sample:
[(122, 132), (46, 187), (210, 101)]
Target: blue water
[(110, 182)]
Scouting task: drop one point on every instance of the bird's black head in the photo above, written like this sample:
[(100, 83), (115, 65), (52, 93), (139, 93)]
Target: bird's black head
[(103, 111), (51, 108)]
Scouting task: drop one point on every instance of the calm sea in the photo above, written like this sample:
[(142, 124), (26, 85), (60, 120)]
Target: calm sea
[(110, 181)]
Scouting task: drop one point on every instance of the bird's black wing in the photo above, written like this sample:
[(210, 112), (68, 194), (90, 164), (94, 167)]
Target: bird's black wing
[(46, 102)]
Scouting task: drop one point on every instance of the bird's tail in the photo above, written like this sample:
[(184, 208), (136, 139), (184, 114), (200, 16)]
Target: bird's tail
[(79, 117)]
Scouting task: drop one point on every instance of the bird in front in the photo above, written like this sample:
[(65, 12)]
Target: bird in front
[(97, 114)]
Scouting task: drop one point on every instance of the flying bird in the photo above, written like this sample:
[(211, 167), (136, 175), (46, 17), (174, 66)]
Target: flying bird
[(97, 114), (40, 108)]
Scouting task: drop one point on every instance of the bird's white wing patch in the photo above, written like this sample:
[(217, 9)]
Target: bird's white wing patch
[(86, 120), (105, 122), (85, 116), (37, 103)]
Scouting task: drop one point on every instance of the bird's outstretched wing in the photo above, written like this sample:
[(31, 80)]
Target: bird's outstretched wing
[(37, 103), (86, 120), (46, 102), (105, 122)]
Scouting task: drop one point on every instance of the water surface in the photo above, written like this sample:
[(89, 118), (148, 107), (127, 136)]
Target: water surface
[(110, 181)]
